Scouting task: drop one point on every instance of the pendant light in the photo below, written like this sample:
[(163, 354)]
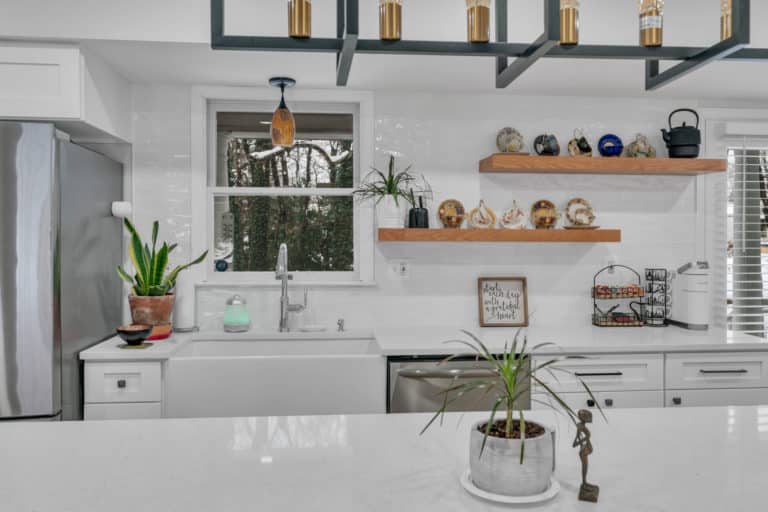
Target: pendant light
[(283, 125), (478, 21), (651, 22), (726, 25), (390, 19), (569, 22)]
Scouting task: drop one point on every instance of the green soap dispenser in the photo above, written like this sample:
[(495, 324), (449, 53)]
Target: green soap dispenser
[(236, 318)]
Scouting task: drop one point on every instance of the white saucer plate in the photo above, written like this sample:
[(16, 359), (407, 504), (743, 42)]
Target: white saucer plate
[(471, 488)]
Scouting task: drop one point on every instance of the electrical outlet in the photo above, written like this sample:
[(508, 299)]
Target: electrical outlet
[(400, 269)]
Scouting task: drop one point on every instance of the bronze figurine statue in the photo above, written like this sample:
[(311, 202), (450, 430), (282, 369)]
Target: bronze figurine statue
[(588, 492)]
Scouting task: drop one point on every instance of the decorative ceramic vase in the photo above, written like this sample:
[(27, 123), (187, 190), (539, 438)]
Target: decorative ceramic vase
[(498, 469), (389, 212), (610, 145), (509, 140), (151, 311)]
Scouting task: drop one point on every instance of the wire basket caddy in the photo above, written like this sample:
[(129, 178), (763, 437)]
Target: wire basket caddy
[(628, 294)]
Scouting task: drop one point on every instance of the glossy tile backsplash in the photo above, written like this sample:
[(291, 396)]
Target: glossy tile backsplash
[(444, 136)]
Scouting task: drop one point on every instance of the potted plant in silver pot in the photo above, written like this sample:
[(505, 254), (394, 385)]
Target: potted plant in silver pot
[(151, 299), (511, 455)]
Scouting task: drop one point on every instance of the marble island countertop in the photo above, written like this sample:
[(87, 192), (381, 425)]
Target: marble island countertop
[(663, 460), (431, 341)]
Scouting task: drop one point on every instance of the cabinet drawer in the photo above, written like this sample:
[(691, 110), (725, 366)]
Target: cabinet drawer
[(122, 382), (132, 411), (607, 399), (715, 397), (605, 373), (711, 371)]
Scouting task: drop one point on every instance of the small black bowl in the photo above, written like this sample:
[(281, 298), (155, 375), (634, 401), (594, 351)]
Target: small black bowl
[(134, 334)]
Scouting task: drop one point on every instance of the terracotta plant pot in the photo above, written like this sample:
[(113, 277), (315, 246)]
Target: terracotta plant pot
[(151, 310)]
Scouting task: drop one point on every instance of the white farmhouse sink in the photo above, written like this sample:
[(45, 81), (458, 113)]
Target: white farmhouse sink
[(278, 374)]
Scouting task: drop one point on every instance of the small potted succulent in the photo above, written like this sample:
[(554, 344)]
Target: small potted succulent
[(151, 299), (390, 191), (512, 455)]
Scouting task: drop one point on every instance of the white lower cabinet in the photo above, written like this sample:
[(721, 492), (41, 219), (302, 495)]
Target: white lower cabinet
[(606, 399), (126, 411), (123, 390)]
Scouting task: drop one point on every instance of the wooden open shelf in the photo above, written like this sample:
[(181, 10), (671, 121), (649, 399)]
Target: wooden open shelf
[(500, 235), (513, 163)]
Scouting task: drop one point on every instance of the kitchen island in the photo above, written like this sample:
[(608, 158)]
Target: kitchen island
[(695, 459)]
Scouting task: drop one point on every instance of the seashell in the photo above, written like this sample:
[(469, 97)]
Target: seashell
[(482, 217)]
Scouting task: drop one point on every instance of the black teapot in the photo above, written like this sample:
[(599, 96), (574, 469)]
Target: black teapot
[(682, 141)]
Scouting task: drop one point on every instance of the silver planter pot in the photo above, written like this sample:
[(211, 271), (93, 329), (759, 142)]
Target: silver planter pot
[(498, 469)]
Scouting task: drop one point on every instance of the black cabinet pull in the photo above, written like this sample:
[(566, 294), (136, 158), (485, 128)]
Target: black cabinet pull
[(121, 383), (677, 400), (598, 374), (609, 402), (590, 403), (740, 370)]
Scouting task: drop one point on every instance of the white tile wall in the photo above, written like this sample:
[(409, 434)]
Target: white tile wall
[(444, 136)]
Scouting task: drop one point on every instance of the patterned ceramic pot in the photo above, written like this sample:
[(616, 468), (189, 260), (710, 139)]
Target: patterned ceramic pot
[(498, 469)]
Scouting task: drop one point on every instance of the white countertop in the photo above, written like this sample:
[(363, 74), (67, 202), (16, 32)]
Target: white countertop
[(709, 459), (431, 340)]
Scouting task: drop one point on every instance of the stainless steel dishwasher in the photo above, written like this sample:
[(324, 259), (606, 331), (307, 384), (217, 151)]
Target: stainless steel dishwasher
[(417, 383)]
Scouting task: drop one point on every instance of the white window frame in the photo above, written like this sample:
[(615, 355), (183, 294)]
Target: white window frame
[(206, 101)]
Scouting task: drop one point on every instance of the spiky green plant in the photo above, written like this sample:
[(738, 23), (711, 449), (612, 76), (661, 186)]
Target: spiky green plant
[(376, 185), (151, 263), (513, 375)]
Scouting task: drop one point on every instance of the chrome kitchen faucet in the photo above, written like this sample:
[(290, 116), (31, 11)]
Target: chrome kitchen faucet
[(281, 273)]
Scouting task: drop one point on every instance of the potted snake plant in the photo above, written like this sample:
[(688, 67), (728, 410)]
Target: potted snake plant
[(511, 455), (151, 298)]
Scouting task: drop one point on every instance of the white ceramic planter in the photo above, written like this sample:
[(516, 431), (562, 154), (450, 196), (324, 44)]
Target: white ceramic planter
[(498, 469), (390, 213)]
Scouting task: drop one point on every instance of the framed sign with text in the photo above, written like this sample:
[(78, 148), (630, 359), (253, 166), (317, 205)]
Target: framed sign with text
[(503, 301)]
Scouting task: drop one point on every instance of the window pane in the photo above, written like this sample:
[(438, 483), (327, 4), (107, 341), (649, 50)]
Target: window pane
[(321, 156), (318, 230)]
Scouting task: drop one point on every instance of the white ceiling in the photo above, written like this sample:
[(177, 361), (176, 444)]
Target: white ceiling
[(193, 63)]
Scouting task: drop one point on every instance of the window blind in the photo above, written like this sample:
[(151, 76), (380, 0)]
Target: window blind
[(748, 240)]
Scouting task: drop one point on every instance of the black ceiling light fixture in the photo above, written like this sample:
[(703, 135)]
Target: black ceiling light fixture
[(735, 34), (283, 129)]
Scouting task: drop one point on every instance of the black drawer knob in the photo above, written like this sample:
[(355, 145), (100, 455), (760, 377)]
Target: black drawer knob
[(609, 402), (677, 400), (590, 403), (121, 383)]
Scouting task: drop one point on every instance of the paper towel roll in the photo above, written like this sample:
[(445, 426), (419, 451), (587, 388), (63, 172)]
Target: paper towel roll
[(184, 308), (122, 209)]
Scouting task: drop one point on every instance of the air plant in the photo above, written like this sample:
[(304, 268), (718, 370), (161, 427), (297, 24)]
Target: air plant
[(151, 264), (513, 374), (377, 185)]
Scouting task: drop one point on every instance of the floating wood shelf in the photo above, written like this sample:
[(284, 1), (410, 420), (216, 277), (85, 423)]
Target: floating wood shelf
[(500, 235), (512, 163)]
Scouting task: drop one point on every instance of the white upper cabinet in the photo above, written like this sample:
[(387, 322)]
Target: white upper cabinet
[(63, 84)]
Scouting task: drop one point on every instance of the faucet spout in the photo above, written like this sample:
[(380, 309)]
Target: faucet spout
[(281, 273), (282, 261)]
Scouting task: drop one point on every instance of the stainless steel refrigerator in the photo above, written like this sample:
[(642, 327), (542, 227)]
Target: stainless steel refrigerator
[(59, 246)]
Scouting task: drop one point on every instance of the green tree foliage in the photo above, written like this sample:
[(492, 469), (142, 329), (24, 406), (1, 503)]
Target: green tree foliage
[(317, 229)]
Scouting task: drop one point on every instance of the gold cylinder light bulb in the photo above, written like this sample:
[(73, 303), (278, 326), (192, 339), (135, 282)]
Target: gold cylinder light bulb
[(390, 19), (478, 21), (651, 22), (726, 22), (300, 18), (569, 22)]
